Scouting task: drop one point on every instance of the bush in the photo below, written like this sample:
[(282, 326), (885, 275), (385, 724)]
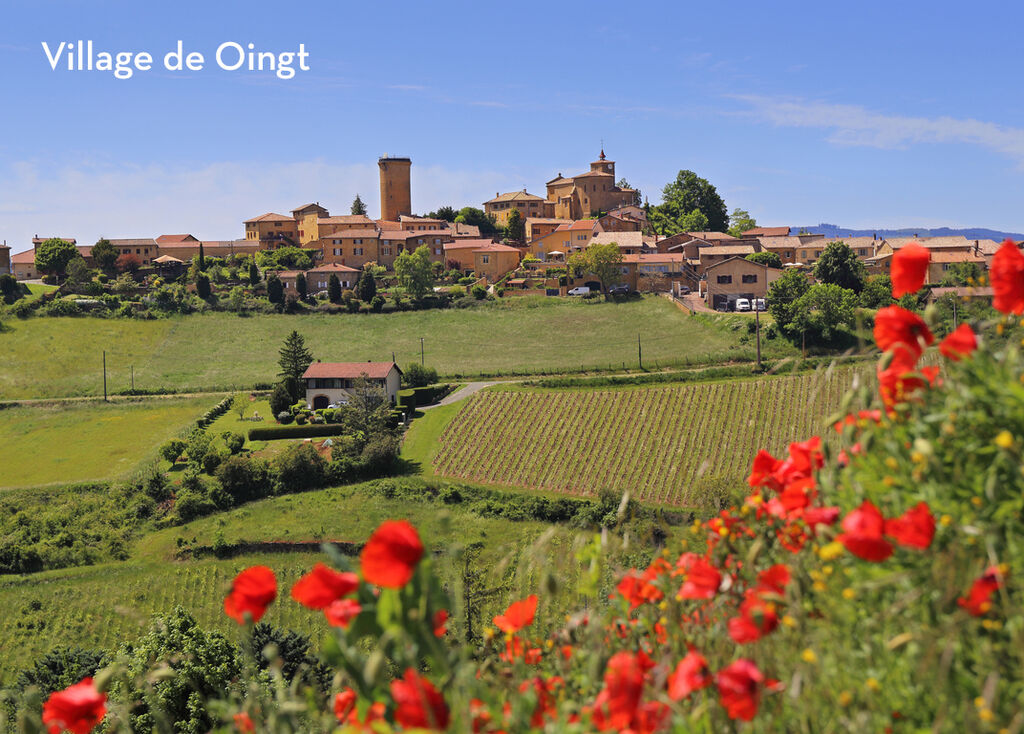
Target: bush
[(171, 450), (271, 433), (416, 375), (244, 479), (380, 454), (233, 441), (377, 304), (298, 468), (211, 461), (157, 487), (479, 292), (280, 399), (284, 417)]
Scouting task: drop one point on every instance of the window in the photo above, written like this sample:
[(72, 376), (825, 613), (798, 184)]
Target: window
[(278, 224), (385, 251), (437, 250), (750, 278), (337, 242), (486, 259), (437, 240), (336, 251), (138, 250), (357, 250), (724, 279), (357, 242)]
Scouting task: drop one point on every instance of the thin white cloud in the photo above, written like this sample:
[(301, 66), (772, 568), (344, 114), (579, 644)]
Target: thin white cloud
[(853, 125), (89, 199)]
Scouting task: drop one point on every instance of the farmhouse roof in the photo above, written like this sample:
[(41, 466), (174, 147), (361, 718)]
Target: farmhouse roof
[(622, 239), (270, 217), (514, 196), (136, 242), (307, 207), (333, 268), (720, 263), (352, 233), (468, 244), (346, 219), (493, 247), (28, 256), (37, 240), (711, 235), (168, 239), (373, 370), (654, 257), (727, 250), (767, 232)]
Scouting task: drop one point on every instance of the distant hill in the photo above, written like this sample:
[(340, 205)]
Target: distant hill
[(976, 233)]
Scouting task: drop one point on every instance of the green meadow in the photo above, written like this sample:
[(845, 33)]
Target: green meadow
[(58, 357)]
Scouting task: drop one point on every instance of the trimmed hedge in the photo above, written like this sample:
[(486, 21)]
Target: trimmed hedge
[(413, 397), (310, 430)]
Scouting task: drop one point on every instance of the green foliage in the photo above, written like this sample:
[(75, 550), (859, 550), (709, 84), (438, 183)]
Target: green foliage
[(171, 450), (478, 292), (233, 442), (54, 255), (446, 213), (358, 207), (961, 274), (254, 274), (416, 375), (415, 271), (366, 287), (783, 297), (271, 433), (683, 196), (740, 221), (877, 292), (203, 286), (515, 227), (604, 261), (294, 359), (104, 254), (823, 310), (622, 183), (280, 398), (285, 258), (244, 478), (377, 304), (333, 288), (275, 290), (839, 265), (198, 666), (196, 446), (300, 285), (771, 259), (476, 217), (298, 468), (61, 667)]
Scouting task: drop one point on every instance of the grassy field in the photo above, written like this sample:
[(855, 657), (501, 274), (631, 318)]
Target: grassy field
[(84, 441), (679, 445), (56, 357), (102, 606)]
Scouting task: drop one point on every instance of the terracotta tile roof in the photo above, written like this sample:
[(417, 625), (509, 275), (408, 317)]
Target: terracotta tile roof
[(655, 257), (424, 220), (40, 240), (373, 370), (28, 256), (931, 242), (270, 217), (514, 196), (138, 242), (956, 256), (306, 207), (583, 224), (167, 239), (988, 247), (468, 230), (333, 268), (591, 174), (711, 235), (963, 291), (351, 233), (767, 232), (493, 247), (468, 244), (727, 250), (791, 242), (346, 219), (546, 220), (385, 225), (425, 234), (735, 258), (622, 239)]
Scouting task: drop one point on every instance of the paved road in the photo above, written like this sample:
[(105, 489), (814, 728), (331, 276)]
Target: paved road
[(470, 388)]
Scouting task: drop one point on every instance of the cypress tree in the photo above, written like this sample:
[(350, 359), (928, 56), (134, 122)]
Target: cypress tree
[(254, 273), (294, 360), (334, 288)]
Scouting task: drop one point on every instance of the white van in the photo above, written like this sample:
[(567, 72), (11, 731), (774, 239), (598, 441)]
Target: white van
[(580, 290), (742, 304), (760, 304)]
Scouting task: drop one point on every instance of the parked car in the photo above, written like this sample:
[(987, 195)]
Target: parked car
[(742, 304), (684, 290), (619, 290), (580, 290), (760, 304)]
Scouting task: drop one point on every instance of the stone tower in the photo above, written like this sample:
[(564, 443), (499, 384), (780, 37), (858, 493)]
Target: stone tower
[(5, 258), (395, 195)]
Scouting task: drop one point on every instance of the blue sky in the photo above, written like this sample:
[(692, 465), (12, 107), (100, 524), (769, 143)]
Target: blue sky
[(866, 114)]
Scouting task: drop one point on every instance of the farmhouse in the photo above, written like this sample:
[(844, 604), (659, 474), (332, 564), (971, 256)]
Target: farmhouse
[(738, 277), (331, 383)]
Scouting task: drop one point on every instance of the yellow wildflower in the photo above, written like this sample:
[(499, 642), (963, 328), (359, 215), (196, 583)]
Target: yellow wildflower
[(1004, 440)]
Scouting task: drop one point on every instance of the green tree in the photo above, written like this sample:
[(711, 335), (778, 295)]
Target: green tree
[(300, 285), (236, 299), (604, 261), (104, 255), (203, 286), (294, 360), (877, 292), (740, 221), (476, 217), (688, 192), (416, 375), (515, 229), (366, 286), (771, 259), (333, 288), (202, 257), (415, 271), (79, 277), (254, 274), (823, 309), (280, 399), (60, 668), (239, 403), (196, 666), (446, 213), (839, 265), (358, 207), (783, 296), (960, 275), (275, 291), (53, 256)]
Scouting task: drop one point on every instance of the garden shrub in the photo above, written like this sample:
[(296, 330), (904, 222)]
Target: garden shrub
[(298, 468), (271, 433)]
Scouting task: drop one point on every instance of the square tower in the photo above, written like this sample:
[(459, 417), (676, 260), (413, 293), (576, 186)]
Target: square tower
[(395, 194)]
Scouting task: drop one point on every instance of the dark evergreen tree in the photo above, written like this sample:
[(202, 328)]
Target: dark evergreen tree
[(275, 291), (203, 286), (104, 254), (366, 287), (300, 285), (202, 257), (358, 207), (254, 273), (333, 289), (294, 360), (839, 265)]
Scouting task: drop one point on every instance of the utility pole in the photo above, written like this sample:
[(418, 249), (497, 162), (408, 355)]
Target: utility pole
[(954, 311), (757, 321), (133, 379), (104, 375), (639, 351), (421, 351)]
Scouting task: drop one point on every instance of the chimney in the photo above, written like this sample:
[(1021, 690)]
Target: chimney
[(874, 236)]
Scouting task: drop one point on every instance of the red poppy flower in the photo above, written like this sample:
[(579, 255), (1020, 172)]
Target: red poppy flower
[(344, 704), (764, 466), (341, 612), (739, 689), (243, 723), (757, 618), (914, 528), (909, 269), (418, 704), (616, 706), (480, 715), (814, 516), (978, 600), (635, 589), (1007, 278), (323, 585), (692, 674), (898, 382), (391, 554), (896, 326), (518, 615), (702, 580), (440, 623), (863, 529), (76, 709), (545, 707), (959, 343), (251, 593), (775, 578)]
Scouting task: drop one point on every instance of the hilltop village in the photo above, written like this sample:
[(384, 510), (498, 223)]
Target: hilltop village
[(519, 243)]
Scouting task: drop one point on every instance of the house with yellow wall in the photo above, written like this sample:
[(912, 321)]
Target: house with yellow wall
[(590, 193), (528, 205), (493, 261), (272, 231)]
